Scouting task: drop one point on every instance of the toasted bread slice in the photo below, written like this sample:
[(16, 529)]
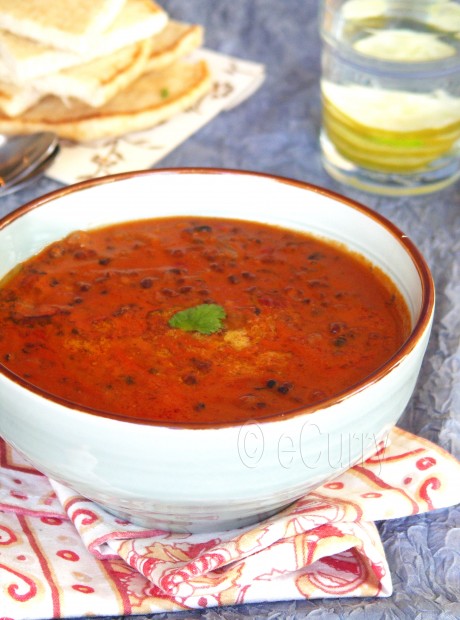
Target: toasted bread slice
[(175, 41), (95, 82), (58, 23), (152, 98), (14, 100), (22, 59)]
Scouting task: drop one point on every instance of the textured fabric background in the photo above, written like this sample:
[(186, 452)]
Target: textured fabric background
[(276, 131)]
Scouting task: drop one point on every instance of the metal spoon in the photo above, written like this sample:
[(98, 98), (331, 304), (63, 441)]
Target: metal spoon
[(32, 174), (21, 154)]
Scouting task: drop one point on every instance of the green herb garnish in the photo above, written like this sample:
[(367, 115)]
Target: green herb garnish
[(164, 93), (204, 318)]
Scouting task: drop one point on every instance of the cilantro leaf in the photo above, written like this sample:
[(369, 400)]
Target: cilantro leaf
[(204, 318)]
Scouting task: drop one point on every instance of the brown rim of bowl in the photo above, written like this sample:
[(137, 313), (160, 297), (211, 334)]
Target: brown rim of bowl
[(420, 326)]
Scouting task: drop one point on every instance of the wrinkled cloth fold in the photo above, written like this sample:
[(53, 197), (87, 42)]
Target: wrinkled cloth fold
[(63, 556)]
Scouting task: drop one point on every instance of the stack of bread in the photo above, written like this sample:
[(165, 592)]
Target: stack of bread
[(95, 68)]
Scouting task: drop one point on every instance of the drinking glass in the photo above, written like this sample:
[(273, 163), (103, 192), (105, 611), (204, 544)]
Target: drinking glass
[(390, 88)]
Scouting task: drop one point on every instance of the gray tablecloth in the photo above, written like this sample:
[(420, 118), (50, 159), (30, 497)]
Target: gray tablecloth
[(276, 131)]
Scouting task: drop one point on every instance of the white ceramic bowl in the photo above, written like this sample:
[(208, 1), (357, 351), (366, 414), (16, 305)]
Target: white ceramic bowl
[(212, 478)]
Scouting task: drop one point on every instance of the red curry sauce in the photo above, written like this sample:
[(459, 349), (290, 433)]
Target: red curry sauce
[(88, 320)]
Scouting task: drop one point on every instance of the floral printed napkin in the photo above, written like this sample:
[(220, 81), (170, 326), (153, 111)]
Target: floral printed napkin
[(62, 556), (234, 80)]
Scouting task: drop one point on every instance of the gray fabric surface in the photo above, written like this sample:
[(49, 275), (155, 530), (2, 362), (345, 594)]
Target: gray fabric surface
[(276, 131)]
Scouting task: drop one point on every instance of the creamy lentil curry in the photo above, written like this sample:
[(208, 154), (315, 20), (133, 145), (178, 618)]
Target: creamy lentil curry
[(195, 321)]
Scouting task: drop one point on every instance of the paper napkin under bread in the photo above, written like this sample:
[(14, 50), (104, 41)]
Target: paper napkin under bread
[(64, 557)]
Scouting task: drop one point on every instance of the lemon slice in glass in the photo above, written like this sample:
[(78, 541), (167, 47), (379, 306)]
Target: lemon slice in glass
[(404, 46), (444, 16), (393, 110), (358, 10), (390, 129)]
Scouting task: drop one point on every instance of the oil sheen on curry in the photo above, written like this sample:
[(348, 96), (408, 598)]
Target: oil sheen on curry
[(197, 320)]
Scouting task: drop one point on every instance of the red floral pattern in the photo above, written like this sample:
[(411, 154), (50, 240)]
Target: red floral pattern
[(62, 556)]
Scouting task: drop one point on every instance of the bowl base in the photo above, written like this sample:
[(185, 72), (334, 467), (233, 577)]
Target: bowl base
[(185, 525)]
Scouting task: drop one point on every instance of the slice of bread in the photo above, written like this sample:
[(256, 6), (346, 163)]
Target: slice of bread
[(175, 41), (14, 100), (151, 99), (96, 82), (22, 59), (57, 22)]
